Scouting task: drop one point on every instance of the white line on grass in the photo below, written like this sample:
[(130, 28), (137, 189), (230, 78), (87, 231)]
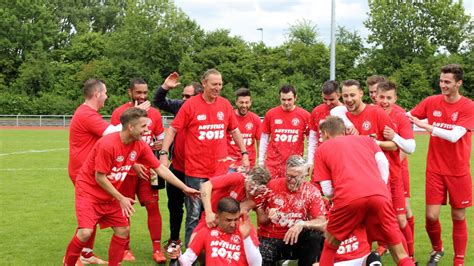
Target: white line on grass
[(31, 169), (31, 151)]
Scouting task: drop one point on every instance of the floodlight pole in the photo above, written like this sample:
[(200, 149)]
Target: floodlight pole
[(261, 29), (332, 66)]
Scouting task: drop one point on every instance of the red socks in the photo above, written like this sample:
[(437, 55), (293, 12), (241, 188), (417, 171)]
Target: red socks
[(433, 228), (73, 251), (328, 254), (409, 239), (116, 249), (459, 241), (87, 250), (407, 261), (154, 225), (411, 223)]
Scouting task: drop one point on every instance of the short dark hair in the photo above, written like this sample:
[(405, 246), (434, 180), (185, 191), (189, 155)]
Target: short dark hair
[(287, 89), (333, 125), (242, 92), (454, 69), (197, 87), (330, 87), (387, 86), (374, 79), (351, 82), (92, 86), (135, 81), (130, 115), (228, 204)]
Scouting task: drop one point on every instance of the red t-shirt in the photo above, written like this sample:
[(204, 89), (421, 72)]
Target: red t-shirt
[(229, 185), (444, 157), (349, 162), (154, 121), (286, 130), (221, 248), (405, 130), (398, 108), (205, 126), (354, 247), (302, 205), (114, 159), (87, 127), (318, 115), (250, 127)]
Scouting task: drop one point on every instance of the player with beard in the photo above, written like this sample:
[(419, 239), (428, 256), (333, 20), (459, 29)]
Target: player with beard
[(291, 217), (450, 122), (148, 197), (98, 200), (249, 126), (284, 130)]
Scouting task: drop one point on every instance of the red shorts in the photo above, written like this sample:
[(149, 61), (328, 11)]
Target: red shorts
[(89, 213), (459, 189), (374, 212), (135, 185), (398, 195), (406, 178)]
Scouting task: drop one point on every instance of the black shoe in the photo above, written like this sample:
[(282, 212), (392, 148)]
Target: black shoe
[(373, 259), (435, 257)]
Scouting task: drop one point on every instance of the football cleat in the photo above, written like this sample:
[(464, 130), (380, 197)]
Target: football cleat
[(78, 262), (435, 257), (159, 257), (128, 256), (92, 260)]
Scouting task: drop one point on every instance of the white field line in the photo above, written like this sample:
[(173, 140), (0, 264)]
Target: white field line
[(31, 151), (32, 169)]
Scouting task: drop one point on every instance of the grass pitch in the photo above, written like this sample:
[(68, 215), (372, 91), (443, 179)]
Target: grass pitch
[(37, 217)]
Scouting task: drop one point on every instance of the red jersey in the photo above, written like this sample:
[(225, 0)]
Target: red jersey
[(291, 207), (444, 157), (398, 108), (354, 247), (354, 173), (205, 126), (318, 115), (229, 185), (250, 127), (114, 159), (221, 248), (87, 127), (154, 121), (405, 130), (286, 130)]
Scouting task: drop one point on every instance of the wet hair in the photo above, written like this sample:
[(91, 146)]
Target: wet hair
[(135, 82), (229, 205), (374, 79), (131, 115), (209, 72), (197, 87), (330, 87), (259, 175), (92, 86), (387, 86), (333, 125), (242, 92), (454, 69), (287, 89), (351, 82), (295, 161)]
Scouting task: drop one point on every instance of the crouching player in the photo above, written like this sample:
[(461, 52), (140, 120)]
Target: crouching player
[(230, 243), (97, 197), (356, 181)]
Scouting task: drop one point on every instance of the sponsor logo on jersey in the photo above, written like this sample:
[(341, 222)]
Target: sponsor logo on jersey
[(278, 121), (214, 233), (279, 202), (249, 126), (133, 156), (366, 125), (201, 117), (233, 194), (119, 159), (220, 115), (299, 205), (295, 121), (454, 116), (437, 113)]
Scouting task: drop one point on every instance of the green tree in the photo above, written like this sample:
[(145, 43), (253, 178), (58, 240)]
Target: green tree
[(303, 31)]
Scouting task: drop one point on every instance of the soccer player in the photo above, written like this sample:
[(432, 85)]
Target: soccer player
[(283, 133), (344, 177), (372, 82), (105, 169), (205, 121), (403, 136), (175, 196), (450, 122), (230, 243), (87, 127), (148, 197), (291, 217), (249, 126)]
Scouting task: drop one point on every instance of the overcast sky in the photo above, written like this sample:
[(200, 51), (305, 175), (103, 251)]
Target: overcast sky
[(243, 17)]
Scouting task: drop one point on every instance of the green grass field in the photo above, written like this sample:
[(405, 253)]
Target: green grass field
[(37, 217)]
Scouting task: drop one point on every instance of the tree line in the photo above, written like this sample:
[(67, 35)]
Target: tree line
[(49, 48)]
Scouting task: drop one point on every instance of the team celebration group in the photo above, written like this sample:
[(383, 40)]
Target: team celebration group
[(349, 193)]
